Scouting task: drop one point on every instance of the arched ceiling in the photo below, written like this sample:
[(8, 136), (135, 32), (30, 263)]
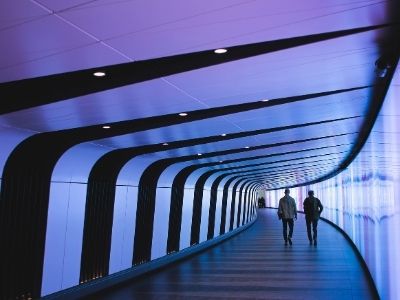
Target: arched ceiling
[(291, 102)]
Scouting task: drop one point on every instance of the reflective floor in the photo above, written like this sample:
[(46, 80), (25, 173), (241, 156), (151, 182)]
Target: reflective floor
[(257, 265)]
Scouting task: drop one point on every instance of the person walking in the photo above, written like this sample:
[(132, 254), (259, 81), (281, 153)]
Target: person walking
[(312, 209), (287, 212)]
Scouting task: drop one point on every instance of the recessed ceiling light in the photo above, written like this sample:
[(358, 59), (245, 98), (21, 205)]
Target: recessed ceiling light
[(220, 51), (199, 154), (183, 114), (265, 100), (106, 127), (165, 144), (99, 74), (221, 161), (247, 147), (224, 134)]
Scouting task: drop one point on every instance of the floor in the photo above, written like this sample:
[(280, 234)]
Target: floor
[(257, 265)]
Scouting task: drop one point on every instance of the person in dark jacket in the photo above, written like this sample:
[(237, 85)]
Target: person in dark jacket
[(312, 208), (287, 212)]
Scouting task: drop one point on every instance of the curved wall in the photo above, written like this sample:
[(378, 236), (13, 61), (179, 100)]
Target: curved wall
[(364, 199), (62, 267)]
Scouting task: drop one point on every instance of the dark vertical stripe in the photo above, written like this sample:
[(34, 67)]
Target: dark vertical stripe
[(233, 202), (97, 232), (197, 209), (213, 205), (145, 211), (24, 202), (239, 211), (249, 211), (239, 201), (175, 216), (245, 202), (224, 205)]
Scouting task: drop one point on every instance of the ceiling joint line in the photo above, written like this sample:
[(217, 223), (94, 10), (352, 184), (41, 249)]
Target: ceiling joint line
[(85, 32), (198, 100)]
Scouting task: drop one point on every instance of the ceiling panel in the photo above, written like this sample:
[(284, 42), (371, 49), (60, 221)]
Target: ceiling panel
[(177, 27), (44, 37)]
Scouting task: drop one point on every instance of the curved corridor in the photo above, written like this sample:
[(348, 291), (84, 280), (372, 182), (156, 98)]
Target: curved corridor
[(256, 265)]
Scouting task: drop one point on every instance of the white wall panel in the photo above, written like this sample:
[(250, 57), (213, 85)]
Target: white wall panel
[(55, 238), (228, 205), (161, 223), (228, 210), (74, 235), (130, 221), (117, 236), (187, 214), (236, 206), (218, 212), (218, 202), (123, 230), (204, 215)]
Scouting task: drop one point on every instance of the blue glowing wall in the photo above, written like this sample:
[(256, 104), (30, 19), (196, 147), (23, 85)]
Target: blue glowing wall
[(364, 200)]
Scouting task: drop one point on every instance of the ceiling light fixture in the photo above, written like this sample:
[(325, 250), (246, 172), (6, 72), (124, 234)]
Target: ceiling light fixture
[(106, 127), (183, 114), (199, 154), (220, 51), (247, 147), (99, 74), (265, 100), (165, 144), (224, 134)]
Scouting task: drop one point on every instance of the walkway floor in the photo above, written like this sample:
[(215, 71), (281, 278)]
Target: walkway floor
[(256, 265)]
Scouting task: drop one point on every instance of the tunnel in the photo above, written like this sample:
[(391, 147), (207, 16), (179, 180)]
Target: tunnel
[(138, 138)]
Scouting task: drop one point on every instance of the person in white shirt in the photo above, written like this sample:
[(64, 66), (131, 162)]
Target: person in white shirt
[(288, 213)]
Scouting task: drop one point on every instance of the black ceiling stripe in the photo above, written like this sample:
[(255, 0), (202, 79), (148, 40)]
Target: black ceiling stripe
[(51, 145), (267, 174), (261, 177), (26, 93), (280, 179), (287, 171), (116, 159), (268, 156), (210, 164), (258, 173), (297, 163)]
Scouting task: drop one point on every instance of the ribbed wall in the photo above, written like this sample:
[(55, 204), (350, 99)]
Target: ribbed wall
[(93, 226)]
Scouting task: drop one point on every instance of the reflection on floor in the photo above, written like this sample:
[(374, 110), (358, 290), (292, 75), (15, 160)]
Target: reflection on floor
[(256, 265)]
